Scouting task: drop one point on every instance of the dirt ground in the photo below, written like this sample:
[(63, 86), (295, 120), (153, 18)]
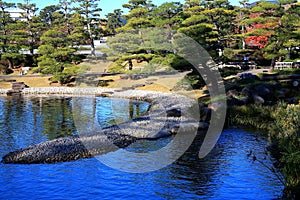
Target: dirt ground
[(161, 83)]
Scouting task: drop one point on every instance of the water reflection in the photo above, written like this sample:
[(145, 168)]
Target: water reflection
[(30, 120), (92, 113), (227, 173)]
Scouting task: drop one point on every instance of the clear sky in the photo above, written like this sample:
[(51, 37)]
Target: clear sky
[(106, 5)]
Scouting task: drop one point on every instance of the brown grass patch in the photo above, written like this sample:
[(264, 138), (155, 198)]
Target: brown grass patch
[(30, 81)]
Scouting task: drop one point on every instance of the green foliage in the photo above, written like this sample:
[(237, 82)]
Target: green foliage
[(215, 24), (61, 122), (255, 116), (149, 69), (195, 19), (90, 11), (138, 16), (191, 81), (122, 44), (137, 13), (12, 35), (114, 21), (133, 4), (116, 68), (229, 53), (167, 14), (56, 55), (139, 57), (265, 6), (32, 27), (285, 35), (210, 24), (184, 84), (286, 133), (282, 123), (228, 71), (174, 61), (47, 15), (67, 74), (76, 33)]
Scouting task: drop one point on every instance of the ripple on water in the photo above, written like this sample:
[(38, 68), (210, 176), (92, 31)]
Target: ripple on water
[(226, 173)]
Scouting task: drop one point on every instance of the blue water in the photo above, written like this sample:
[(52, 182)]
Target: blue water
[(227, 173)]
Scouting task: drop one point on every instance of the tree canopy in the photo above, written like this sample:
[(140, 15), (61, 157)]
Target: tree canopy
[(264, 30)]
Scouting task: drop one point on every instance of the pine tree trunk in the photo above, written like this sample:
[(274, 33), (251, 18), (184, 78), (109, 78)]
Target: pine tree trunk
[(10, 63), (93, 49), (272, 64)]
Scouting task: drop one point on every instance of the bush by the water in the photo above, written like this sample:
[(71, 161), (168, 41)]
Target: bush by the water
[(282, 122), (286, 133), (229, 71), (253, 115)]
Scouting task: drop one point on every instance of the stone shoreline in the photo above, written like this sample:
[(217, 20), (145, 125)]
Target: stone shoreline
[(60, 91), (168, 114)]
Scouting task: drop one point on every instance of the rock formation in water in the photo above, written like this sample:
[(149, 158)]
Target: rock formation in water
[(165, 116), (67, 149)]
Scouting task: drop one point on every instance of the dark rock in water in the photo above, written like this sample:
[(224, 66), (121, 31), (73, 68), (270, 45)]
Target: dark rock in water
[(160, 134), (13, 92), (17, 88), (176, 112)]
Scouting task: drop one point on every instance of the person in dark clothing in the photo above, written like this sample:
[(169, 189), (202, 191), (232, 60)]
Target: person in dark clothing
[(130, 64)]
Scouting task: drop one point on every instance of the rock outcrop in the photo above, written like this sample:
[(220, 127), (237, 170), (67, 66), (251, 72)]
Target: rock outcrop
[(166, 114)]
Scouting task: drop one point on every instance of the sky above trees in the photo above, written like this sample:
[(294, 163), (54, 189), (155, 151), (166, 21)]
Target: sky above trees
[(107, 6)]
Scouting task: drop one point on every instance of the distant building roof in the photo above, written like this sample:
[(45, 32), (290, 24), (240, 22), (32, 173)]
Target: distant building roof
[(270, 1), (17, 14)]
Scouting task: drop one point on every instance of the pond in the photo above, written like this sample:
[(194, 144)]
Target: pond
[(228, 172)]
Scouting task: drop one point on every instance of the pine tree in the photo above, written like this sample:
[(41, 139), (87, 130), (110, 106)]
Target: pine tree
[(167, 15), (138, 17), (65, 6), (11, 35), (90, 11), (56, 51), (47, 17), (114, 21), (285, 37), (31, 25)]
